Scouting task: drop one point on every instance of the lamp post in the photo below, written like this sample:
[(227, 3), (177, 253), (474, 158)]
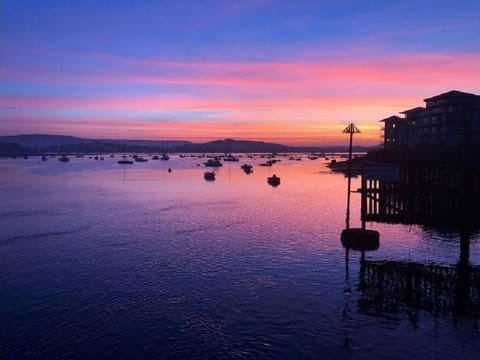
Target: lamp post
[(350, 129), (356, 239)]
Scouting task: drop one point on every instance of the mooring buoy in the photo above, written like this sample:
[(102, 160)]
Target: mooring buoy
[(360, 239)]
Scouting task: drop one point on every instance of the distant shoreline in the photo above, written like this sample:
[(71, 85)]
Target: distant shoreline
[(21, 145)]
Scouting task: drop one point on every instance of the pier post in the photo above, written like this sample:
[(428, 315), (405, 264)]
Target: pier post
[(363, 202)]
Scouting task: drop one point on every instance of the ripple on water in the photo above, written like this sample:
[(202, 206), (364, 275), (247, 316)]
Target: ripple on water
[(150, 266)]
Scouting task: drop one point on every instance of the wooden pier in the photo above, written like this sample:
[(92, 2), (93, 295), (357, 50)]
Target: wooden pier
[(443, 195)]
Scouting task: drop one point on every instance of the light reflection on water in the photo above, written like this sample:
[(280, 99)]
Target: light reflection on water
[(114, 261)]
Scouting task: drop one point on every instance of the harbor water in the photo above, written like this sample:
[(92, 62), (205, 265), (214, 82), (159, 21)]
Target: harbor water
[(101, 260)]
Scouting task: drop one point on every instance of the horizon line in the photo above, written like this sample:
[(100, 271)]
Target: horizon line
[(194, 142)]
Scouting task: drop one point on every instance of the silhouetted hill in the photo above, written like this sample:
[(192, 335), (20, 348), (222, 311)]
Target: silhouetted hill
[(44, 141), (236, 146), (39, 144), (245, 146), (41, 140), (11, 149), (159, 144)]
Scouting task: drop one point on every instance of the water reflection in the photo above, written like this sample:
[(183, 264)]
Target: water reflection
[(432, 309), (166, 264), (391, 287)]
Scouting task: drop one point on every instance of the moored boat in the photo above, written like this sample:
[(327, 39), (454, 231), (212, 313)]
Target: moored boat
[(209, 175), (230, 157), (213, 163), (273, 180), (247, 168)]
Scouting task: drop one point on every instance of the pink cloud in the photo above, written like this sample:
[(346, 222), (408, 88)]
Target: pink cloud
[(406, 71), (296, 95), (172, 103)]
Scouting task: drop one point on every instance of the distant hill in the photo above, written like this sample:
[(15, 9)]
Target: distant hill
[(246, 146), (12, 149), (167, 144), (39, 144), (42, 141), (236, 146)]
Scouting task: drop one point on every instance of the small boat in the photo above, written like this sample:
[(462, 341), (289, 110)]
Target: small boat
[(64, 158), (209, 175), (247, 168), (155, 157), (125, 162), (44, 158), (213, 163), (273, 180), (230, 157), (165, 157), (140, 159)]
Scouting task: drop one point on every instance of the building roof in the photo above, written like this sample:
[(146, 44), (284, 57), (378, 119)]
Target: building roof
[(391, 118), (415, 109), (452, 94)]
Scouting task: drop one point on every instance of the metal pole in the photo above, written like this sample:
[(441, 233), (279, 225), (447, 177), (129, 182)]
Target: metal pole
[(347, 219), (350, 129)]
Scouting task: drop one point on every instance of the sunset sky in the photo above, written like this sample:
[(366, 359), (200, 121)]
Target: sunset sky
[(292, 72)]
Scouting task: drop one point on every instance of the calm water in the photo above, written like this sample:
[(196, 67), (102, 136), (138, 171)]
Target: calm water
[(103, 261)]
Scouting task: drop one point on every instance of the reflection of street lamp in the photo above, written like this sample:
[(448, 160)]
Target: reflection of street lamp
[(356, 239), (350, 129)]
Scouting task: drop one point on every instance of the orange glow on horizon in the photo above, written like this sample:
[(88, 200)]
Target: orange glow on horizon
[(198, 131)]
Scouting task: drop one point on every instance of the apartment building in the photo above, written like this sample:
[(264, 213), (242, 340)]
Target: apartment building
[(451, 119)]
